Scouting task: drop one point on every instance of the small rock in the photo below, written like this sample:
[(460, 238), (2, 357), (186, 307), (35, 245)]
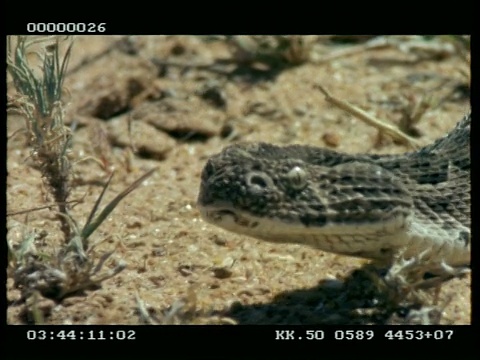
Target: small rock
[(184, 119), (145, 138), (331, 139), (214, 95), (222, 273)]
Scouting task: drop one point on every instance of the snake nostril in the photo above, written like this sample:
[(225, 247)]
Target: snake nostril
[(258, 181)]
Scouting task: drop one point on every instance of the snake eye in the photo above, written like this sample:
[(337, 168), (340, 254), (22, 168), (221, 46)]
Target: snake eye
[(297, 178)]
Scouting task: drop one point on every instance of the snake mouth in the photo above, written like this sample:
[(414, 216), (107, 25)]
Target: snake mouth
[(218, 215), (227, 218)]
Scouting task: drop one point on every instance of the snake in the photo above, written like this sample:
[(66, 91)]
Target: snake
[(363, 205)]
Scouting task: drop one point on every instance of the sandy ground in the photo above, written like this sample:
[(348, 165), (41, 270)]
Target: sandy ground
[(188, 99)]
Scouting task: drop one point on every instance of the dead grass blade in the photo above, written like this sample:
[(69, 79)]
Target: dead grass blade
[(369, 119)]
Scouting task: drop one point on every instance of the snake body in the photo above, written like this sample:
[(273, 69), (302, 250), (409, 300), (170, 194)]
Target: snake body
[(364, 205)]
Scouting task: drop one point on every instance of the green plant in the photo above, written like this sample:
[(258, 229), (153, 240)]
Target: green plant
[(40, 99)]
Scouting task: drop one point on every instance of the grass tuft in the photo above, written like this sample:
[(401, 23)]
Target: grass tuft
[(40, 99)]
